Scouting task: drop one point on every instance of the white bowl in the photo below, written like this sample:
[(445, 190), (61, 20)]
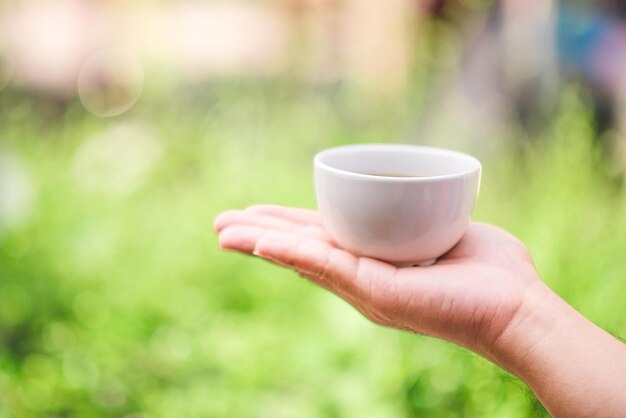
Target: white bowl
[(403, 220)]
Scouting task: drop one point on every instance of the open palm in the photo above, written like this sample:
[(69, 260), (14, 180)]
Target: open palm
[(469, 296)]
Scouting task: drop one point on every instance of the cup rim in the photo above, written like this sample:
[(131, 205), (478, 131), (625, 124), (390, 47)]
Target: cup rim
[(317, 160)]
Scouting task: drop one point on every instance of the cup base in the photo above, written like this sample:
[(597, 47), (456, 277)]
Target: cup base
[(426, 263)]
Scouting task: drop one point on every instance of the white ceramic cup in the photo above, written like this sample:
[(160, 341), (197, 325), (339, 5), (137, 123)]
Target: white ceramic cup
[(369, 209)]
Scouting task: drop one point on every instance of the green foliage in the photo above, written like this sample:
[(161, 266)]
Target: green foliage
[(115, 300)]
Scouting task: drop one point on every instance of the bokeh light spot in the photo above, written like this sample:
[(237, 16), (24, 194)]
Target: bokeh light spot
[(59, 337), (110, 394), (17, 192), (118, 160), (171, 343), (80, 371), (110, 82)]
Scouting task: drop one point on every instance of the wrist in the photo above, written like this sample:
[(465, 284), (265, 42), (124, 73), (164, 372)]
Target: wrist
[(536, 322), (573, 366)]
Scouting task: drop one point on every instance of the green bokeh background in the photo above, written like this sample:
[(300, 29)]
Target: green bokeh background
[(115, 300)]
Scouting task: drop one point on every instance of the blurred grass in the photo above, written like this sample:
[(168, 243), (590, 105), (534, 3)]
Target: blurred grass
[(115, 301)]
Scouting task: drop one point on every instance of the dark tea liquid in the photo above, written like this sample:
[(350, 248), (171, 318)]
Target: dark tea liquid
[(394, 175)]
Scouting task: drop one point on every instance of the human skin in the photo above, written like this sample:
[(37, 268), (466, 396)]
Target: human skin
[(484, 294)]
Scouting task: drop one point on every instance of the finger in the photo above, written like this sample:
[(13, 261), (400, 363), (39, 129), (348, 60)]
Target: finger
[(328, 286), (367, 284), (236, 217), (316, 261), (348, 274), (309, 256), (302, 216), (245, 239), (242, 238)]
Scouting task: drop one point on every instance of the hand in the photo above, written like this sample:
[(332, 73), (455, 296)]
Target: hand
[(470, 296), (484, 294)]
